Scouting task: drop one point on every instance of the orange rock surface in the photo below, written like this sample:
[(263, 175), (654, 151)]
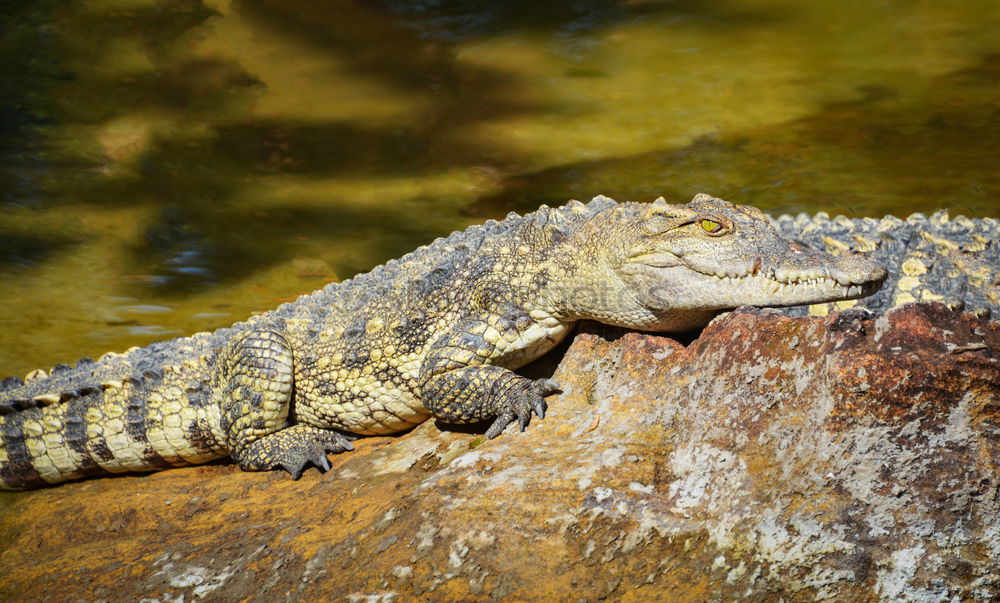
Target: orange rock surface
[(850, 458)]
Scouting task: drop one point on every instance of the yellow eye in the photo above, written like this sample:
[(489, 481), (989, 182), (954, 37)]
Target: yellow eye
[(711, 226)]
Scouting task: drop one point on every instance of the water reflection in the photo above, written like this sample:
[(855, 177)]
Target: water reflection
[(912, 153), (461, 20)]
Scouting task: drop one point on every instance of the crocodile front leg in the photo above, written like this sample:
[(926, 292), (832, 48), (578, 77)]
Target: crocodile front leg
[(457, 386), (255, 385)]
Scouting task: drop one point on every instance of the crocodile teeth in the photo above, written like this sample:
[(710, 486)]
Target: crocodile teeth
[(777, 286)]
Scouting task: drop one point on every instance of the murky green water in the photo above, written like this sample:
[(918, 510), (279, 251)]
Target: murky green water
[(172, 166)]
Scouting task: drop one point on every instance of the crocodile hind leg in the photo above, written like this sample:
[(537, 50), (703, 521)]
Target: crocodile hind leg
[(255, 385)]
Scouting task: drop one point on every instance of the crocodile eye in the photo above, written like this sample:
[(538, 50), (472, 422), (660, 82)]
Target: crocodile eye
[(711, 226)]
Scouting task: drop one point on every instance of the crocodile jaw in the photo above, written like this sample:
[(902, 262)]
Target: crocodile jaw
[(765, 290), (675, 294)]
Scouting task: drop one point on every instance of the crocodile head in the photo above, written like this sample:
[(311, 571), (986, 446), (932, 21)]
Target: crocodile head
[(674, 267)]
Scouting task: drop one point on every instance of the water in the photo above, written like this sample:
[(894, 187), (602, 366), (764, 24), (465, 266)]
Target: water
[(169, 167)]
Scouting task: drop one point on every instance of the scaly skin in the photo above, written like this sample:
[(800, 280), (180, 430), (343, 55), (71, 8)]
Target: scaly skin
[(437, 333), (952, 260)]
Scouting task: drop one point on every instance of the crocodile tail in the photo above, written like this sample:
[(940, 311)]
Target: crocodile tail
[(157, 420), (44, 445)]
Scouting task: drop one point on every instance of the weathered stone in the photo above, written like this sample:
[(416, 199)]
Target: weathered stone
[(852, 458)]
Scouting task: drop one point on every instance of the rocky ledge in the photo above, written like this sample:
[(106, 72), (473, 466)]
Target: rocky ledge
[(852, 458)]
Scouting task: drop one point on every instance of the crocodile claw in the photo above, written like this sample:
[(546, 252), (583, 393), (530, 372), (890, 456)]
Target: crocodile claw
[(295, 470), (313, 451), (521, 406)]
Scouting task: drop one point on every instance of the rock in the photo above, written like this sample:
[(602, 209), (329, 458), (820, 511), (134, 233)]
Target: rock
[(852, 458)]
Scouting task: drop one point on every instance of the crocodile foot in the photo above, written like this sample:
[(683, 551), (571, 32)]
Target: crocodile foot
[(314, 451), (520, 406), (293, 449)]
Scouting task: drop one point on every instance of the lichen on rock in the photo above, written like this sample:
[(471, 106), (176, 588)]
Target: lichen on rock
[(852, 457)]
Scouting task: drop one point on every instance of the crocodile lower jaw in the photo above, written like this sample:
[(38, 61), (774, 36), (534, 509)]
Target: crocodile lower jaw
[(815, 290)]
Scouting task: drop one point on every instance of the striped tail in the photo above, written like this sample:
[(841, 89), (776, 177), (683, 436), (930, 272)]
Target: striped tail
[(156, 421)]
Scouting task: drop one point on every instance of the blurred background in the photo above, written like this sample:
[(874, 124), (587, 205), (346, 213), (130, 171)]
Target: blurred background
[(170, 166)]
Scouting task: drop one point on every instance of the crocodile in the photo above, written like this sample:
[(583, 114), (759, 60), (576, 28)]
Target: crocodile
[(437, 333)]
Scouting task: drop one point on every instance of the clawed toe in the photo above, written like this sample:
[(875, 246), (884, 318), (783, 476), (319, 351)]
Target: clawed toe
[(548, 386), (330, 442), (521, 407), (499, 424), (522, 421), (293, 449), (296, 467)]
